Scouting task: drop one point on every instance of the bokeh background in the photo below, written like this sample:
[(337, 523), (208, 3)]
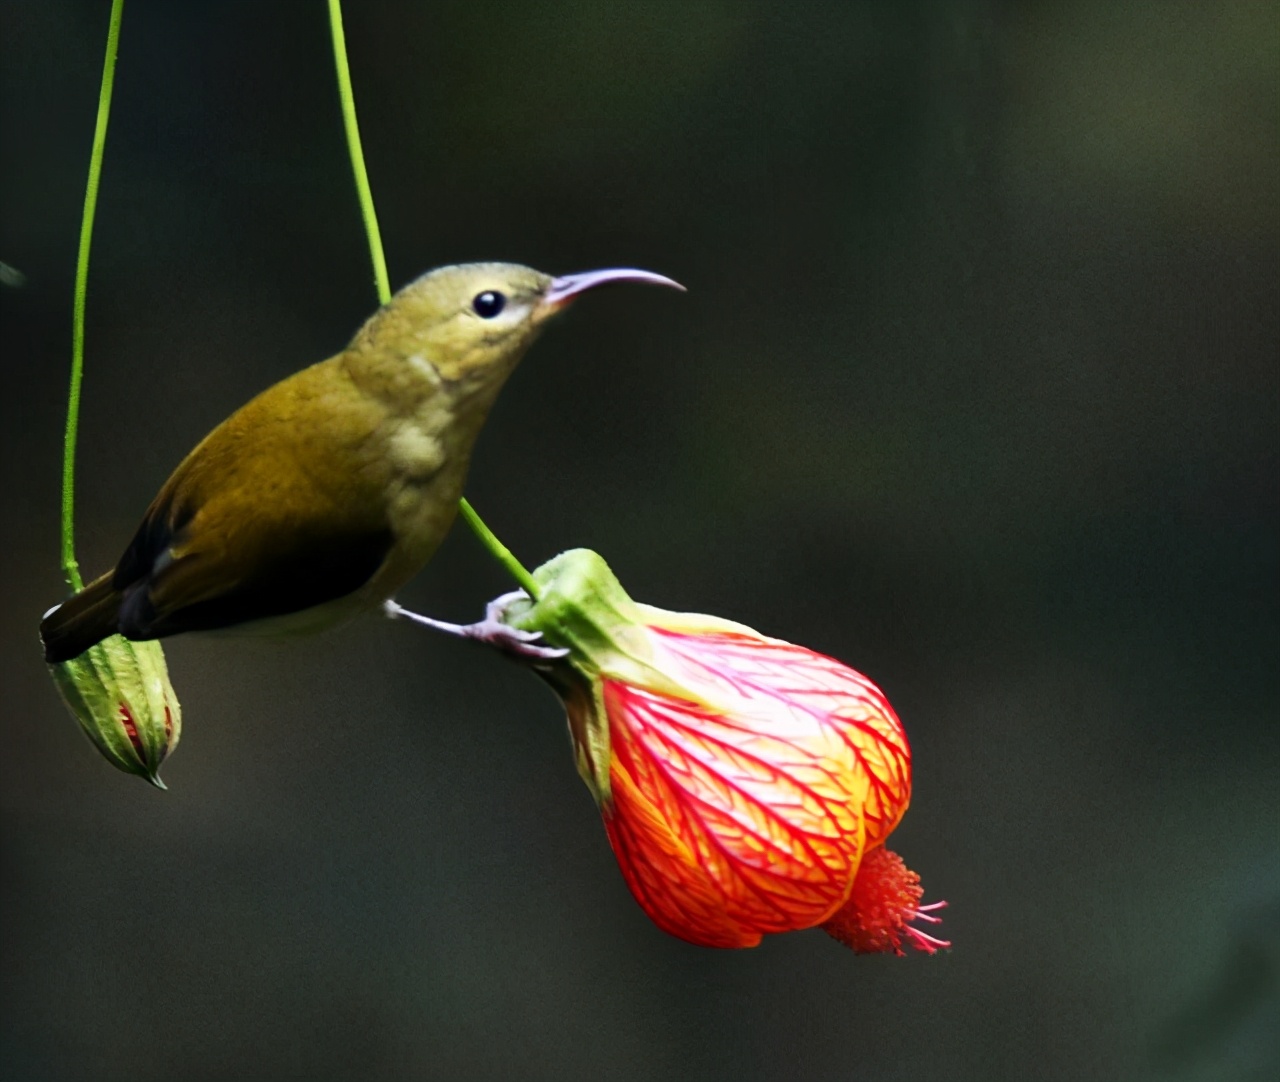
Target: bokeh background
[(975, 387)]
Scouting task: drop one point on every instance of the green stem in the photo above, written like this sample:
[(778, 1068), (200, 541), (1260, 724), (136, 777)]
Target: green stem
[(487, 537), (69, 564), (363, 190), (499, 551)]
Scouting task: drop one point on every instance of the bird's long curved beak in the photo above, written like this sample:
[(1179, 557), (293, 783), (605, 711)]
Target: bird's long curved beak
[(562, 290)]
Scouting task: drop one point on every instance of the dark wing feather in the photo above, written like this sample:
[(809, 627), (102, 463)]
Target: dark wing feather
[(301, 573), (183, 574), (280, 508), (161, 525)]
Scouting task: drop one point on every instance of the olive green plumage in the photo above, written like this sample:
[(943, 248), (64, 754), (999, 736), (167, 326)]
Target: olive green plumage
[(328, 491)]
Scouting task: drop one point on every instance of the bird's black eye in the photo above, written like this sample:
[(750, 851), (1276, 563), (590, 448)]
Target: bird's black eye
[(488, 304)]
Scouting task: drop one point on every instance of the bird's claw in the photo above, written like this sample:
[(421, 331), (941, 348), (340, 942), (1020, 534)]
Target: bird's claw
[(492, 631), (512, 640)]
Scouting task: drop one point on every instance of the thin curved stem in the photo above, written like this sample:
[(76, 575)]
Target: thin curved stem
[(365, 193), (70, 566), (498, 550), (487, 537)]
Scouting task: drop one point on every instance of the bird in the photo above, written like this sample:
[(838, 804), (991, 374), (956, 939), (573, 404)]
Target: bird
[(327, 492)]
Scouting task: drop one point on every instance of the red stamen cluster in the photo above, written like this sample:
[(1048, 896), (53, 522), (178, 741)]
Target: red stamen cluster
[(884, 901)]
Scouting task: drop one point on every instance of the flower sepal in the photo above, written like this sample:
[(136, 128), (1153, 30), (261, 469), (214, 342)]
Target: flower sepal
[(583, 608)]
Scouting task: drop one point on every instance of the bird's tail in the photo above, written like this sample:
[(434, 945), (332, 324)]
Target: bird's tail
[(81, 621)]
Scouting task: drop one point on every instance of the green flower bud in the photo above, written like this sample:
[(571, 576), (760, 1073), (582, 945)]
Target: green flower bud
[(119, 692)]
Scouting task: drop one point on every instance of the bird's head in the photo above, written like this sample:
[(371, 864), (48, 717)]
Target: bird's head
[(475, 319)]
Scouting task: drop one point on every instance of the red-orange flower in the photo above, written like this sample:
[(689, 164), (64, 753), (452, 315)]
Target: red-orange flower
[(743, 780)]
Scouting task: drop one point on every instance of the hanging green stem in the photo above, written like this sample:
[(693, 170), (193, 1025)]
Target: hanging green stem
[(381, 281), (70, 567), (499, 551)]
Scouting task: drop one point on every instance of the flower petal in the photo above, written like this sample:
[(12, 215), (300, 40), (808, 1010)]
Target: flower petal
[(728, 827), (842, 700)]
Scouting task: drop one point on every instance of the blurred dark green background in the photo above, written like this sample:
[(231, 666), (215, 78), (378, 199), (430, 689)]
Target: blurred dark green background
[(975, 387)]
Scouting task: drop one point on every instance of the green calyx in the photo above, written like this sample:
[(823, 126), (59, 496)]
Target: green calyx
[(119, 692), (583, 608)]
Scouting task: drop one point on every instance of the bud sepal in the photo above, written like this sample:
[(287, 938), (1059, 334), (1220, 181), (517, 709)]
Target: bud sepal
[(119, 691)]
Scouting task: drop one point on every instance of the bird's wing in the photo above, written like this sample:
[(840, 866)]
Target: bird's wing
[(276, 511)]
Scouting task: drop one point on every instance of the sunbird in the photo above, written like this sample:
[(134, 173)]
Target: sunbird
[(327, 492)]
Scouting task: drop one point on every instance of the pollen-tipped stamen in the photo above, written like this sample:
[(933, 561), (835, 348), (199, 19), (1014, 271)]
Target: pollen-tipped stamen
[(920, 939), (923, 941)]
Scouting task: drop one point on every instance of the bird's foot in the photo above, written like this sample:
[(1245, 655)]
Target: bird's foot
[(491, 631)]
